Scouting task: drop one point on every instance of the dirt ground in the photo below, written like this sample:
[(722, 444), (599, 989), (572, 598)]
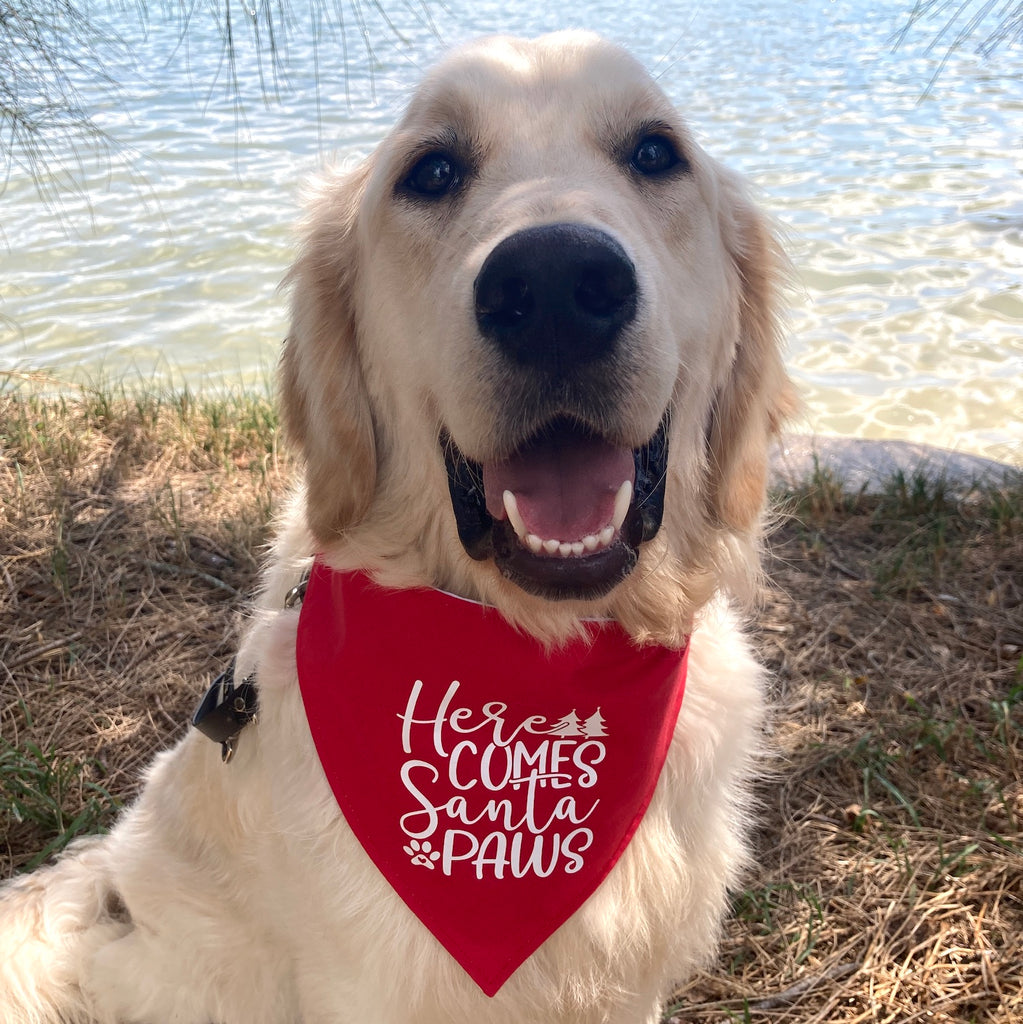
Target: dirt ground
[(888, 883)]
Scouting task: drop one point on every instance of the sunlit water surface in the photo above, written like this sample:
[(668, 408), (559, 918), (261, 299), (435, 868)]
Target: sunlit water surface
[(901, 201)]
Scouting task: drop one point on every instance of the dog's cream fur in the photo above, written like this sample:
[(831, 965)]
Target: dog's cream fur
[(235, 894)]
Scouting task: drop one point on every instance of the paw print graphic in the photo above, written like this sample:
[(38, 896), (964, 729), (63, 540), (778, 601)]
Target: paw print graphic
[(422, 854)]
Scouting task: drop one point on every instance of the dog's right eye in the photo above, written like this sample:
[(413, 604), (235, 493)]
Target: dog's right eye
[(654, 154), (433, 176)]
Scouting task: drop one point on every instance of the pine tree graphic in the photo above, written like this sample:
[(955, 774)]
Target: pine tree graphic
[(568, 725), (594, 725)]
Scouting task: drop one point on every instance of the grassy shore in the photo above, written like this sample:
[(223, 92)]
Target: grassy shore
[(889, 875)]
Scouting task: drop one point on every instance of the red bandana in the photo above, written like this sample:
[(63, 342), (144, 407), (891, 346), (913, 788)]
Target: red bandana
[(493, 783)]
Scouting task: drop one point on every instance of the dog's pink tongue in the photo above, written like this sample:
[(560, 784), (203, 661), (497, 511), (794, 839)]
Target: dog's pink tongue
[(565, 485)]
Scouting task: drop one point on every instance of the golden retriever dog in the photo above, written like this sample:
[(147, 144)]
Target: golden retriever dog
[(533, 363)]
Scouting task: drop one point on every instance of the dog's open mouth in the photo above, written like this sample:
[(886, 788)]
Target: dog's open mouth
[(563, 515)]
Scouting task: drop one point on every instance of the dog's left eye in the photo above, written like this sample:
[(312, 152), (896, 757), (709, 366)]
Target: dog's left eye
[(654, 154), (433, 176)]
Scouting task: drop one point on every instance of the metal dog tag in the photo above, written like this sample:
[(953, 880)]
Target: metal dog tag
[(226, 709)]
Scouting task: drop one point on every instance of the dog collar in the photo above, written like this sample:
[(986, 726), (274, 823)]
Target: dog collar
[(492, 781)]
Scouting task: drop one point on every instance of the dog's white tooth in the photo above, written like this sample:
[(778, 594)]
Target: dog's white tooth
[(622, 501), (534, 543), (551, 546), (511, 510), (605, 535), (564, 549), (578, 547), (590, 542)]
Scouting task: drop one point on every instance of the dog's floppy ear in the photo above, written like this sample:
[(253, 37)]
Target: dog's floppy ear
[(325, 406), (757, 395)]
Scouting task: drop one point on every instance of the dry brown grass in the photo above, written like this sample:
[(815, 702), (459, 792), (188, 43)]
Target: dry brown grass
[(889, 885), (889, 882), (131, 532)]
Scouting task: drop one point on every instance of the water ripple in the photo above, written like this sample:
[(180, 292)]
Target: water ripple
[(902, 203)]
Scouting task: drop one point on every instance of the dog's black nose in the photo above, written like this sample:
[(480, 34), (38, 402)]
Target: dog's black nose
[(556, 295)]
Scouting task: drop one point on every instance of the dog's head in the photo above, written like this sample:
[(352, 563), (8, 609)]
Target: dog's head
[(534, 345)]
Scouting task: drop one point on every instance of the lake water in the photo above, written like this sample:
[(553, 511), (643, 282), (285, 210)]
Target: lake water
[(902, 200)]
